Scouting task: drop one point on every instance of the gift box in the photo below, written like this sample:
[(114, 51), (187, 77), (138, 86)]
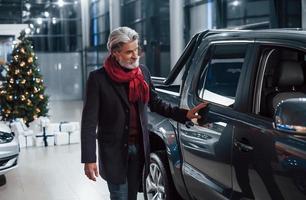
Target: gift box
[(25, 141), (25, 135), (72, 129), (39, 140), (61, 138)]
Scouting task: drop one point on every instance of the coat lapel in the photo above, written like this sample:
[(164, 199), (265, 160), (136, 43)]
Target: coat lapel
[(121, 91)]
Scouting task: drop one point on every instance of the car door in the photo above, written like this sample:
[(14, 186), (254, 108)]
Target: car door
[(207, 144), (268, 163)]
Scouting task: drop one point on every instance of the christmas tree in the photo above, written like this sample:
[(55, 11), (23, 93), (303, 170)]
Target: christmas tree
[(22, 95)]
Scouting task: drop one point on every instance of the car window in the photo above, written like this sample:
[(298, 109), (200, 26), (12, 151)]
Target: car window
[(220, 75), (282, 76)]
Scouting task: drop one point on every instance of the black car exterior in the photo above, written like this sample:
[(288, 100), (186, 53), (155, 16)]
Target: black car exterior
[(239, 149)]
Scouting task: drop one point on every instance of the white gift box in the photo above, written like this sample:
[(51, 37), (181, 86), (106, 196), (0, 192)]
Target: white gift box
[(75, 137), (52, 128), (25, 135), (61, 138), (72, 128), (25, 141), (39, 141), (69, 126)]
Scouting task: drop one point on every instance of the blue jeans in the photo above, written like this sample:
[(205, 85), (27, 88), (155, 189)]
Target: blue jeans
[(128, 190)]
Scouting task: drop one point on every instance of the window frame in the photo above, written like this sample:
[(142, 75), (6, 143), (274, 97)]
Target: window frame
[(262, 58), (207, 58)]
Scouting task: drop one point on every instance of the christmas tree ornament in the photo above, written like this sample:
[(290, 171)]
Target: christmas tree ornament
[(22, 50), (41, 96), (37, 80), (11, 80), (17, 71), (22, 97), (22, 64), (23, 81)]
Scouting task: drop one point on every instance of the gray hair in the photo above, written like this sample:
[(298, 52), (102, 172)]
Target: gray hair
[(120, 36)]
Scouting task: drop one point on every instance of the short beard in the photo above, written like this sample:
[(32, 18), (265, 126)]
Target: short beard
[(128, 65)]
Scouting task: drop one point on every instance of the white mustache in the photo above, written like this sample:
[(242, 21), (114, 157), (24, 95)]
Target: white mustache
[(130, 65)]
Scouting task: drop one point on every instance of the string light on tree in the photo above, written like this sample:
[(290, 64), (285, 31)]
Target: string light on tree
[(22, 50), (22, 64), (29, 72), (30, 60)]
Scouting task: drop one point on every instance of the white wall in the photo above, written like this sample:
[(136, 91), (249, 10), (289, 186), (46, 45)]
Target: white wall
[(12, 29)]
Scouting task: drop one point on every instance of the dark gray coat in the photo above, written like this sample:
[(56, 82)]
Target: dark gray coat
[(107, 107)]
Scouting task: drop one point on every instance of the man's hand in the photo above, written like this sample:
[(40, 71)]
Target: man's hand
[(193, 113), (91, 171)]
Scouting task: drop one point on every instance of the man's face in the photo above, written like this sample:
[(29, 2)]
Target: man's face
[(128, 55)]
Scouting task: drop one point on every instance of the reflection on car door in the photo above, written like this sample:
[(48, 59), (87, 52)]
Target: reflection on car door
[(206, 147), (206, 150)]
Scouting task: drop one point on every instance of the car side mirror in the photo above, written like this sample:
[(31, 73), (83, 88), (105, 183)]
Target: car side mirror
[(290, 116)]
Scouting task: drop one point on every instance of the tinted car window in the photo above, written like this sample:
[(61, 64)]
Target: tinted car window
[(220, 75)]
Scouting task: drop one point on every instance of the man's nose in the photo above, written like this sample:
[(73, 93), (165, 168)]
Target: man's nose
[(135, 54)]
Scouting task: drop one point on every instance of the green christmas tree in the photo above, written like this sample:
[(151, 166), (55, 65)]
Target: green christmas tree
[(22, 95)]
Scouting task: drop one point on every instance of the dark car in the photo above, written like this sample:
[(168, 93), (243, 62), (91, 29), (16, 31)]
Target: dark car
[(251, 140)]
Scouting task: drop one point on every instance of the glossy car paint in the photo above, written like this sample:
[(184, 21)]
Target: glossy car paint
[(234, 153)]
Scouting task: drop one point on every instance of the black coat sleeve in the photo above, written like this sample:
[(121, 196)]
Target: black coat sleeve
[(89, 120), (156, 104)]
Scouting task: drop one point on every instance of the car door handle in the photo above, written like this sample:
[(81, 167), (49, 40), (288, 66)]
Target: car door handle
[(189, 124), (243, 145)]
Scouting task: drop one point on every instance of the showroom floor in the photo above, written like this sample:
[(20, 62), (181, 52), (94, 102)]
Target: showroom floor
[(54, 172)]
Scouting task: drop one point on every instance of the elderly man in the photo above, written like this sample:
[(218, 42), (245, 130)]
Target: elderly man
[(117, 98)]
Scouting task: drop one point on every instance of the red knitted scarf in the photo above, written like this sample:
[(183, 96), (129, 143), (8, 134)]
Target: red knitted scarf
[(138, 88)]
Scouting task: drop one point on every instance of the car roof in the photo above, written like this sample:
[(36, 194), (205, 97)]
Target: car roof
[(298, 35)]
